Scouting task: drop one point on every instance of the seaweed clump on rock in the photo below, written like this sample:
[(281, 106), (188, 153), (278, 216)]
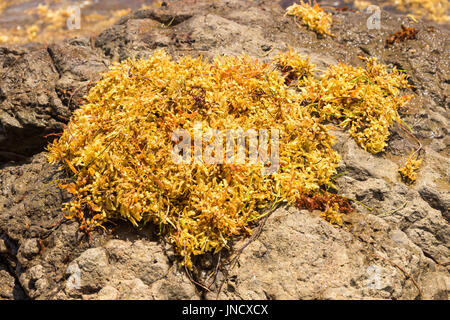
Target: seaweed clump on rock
[(364, 100), (118, 148)]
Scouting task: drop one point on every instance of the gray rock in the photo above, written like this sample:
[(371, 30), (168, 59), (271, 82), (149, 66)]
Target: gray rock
[(28, 250), (299, 256), (126, 270), (38, 91), (7, 283), (435, 285), (108, 293), (88, 272)]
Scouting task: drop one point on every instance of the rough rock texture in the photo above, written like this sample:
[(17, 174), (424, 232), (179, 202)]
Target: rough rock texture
[(39, 89), (52, 260), (375, 255), (299, 256)]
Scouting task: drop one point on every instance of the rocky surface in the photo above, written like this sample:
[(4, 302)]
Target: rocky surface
[(395, 246), (39, 89)]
